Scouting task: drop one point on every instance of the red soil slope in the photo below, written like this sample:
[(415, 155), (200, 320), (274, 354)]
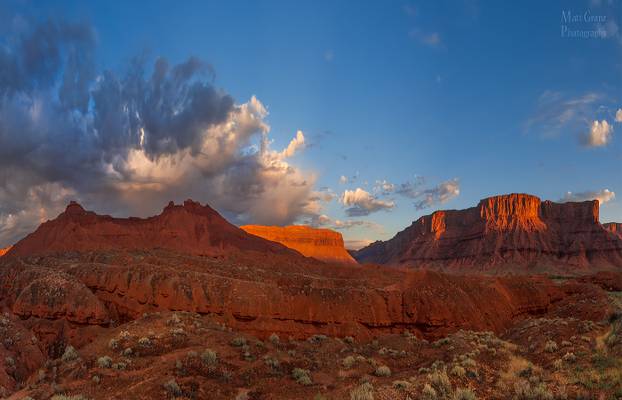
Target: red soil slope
[(321, 244), (189, 228), (509, 229)]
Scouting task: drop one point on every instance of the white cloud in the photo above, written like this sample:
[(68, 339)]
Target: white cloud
[(603, 196), (619, 115), (384, 187), (557, 112), (343, 179), (599, 135), (294, 146), (356, 244), (361, 202)]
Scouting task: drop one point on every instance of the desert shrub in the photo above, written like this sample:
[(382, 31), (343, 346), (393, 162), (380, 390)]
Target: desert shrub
[(348, 339), (172, 387), (238, 342), (70, 354), (348, 362), (113, 344), (104, 362), (96, 379), (400, 385), (469, 362), (274, 338), (464, 394), (124, 335), (272, 362), (442, 342), (382, 370), (317, 338), (302, 376), (440, 382), (458, 371), (569, 357), (128, 352), (9, 361), (362, 392), (523, 390), (144, 341), (68, 397), (566, 343), (558, 364), (209, 357), (428, 393), (119, 366), (550, 346)]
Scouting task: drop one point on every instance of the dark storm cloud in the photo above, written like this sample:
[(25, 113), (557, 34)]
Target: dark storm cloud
[(127, 143)]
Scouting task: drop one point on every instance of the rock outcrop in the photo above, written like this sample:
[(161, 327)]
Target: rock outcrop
[(322, 244), (513, 230), (614, 227), (188, 228)]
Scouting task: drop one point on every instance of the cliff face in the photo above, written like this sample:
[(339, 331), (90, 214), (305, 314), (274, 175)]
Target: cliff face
[(188, 228), (614, 227), (4, 251), (321, 244), (508, 229), (296, 299)]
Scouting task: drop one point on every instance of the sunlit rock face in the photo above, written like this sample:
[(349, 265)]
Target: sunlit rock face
[(513, 230), (4, 251), (321, 244), (189, 228), (614, 227)]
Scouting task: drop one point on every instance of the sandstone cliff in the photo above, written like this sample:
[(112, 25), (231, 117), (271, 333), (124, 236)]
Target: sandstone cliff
[(515, 229), (189, 228), (614, 227), (321, 244), (4, 251)]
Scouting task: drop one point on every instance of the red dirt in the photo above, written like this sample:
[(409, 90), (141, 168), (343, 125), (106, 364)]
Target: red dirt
[(515, 230), (321, 244)]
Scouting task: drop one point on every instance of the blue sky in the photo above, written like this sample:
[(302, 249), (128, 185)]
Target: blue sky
[(487, 95)]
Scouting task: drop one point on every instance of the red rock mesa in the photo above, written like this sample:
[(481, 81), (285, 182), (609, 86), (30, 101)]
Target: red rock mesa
[(321, 244), (188, 228), (514, 229)]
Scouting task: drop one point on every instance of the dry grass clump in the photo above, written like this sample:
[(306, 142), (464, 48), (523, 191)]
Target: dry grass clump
[(464, 394), (550, 346), (274, 339), (70, 354), (209, 357), (302, 376), (104, 362), (440, 382), (172, 388), (362, 392), (382, 370), (348, 362)]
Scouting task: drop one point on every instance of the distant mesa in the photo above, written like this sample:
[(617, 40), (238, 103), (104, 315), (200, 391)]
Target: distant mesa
[(614, 227), (189, 228), (4, 251), (511, 230), (322, 244)]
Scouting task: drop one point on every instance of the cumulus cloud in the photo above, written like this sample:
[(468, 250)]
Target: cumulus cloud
[(384, 187), (127, 143), (361, 202), (603, 196), (439, 194), (599, 134), (619, 115)]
